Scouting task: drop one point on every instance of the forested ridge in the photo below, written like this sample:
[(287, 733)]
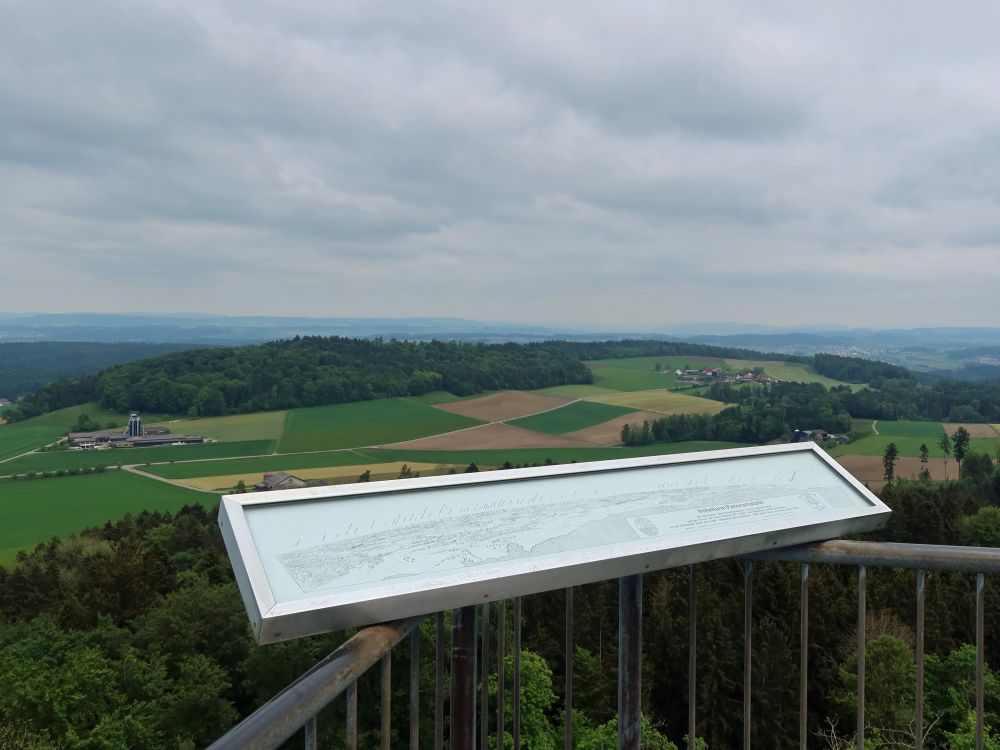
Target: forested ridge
[(133, 635), (315, 371)]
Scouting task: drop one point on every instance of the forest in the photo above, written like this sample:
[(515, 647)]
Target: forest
[(133, 635)]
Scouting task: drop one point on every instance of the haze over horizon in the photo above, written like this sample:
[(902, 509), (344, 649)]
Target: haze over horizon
[(611, 167)]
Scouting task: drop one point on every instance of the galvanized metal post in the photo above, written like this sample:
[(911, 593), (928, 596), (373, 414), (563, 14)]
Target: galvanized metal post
[(862, 586), (310, 734), (568, 713), (415, 689), (629, 661), (692, 653), (484, 682), (804, 657), (463, 679), (918, 712), (501, 658), (747, 647), (517, 675), (439, 684), (980, 658), (351, 741), (386, 700)]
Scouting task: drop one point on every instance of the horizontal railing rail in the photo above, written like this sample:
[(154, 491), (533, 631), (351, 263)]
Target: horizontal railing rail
[(295, 707)]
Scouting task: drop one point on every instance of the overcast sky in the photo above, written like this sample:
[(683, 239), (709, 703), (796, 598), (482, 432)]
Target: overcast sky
[(626, 164)]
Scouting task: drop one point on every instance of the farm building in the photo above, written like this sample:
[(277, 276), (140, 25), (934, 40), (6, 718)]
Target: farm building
[(279, 480)]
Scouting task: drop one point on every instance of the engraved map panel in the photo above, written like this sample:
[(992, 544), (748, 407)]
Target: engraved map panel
[(343, 544)]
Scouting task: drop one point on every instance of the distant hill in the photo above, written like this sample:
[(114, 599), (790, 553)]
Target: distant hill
[(26, 367)]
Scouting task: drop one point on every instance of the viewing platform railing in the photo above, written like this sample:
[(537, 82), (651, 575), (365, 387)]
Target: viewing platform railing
[(295, 708)]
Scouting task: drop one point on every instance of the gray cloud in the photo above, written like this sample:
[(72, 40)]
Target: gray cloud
[(578, 163)]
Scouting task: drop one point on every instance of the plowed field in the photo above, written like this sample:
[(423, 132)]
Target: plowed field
[(974, 430)]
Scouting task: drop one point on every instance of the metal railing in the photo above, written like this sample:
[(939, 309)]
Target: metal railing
[(295, 708)]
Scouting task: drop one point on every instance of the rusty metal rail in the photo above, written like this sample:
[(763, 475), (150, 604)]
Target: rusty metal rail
[(295, 708)]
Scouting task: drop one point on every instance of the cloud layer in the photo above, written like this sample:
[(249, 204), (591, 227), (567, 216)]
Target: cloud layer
[(628, 165)]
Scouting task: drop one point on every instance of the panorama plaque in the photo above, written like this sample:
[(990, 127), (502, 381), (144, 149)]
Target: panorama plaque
[(314, 560)]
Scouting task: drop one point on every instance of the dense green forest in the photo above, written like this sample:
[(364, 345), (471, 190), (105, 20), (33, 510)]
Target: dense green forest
[(133, 635), (26, 367)]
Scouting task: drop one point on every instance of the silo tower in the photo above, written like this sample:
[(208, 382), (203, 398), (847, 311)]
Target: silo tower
[(134, 428)]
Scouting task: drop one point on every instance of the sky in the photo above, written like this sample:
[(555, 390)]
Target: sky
[(626, 165)]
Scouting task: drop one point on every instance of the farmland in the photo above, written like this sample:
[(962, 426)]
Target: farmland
[(58, 460), (365, 423), (20, 437), (576, 416), (33, 511), (290, 462), (665, 402), (264, 425)]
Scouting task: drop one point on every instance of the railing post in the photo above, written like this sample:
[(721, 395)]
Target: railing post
[(517, 675), (484, 682), (980, 658), (692, 653), (804, 657), (747, 647), (415, 689), (439, 684), (351, 741), (862, 585), (568, 712), (629, 662), (918, 711), (310, 734), (501, 671), (386, 700), (463, 679)]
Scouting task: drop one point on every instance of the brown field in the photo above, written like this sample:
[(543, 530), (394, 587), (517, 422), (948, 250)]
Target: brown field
[(332, 474), (504, 405), (610, 433), (974, 430), (489, 436), (869, 469)]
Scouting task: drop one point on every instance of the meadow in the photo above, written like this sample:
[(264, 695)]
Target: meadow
[(665, 402), (575, 416), (262, 425), (277, 462), (363, 423), (35, 510)]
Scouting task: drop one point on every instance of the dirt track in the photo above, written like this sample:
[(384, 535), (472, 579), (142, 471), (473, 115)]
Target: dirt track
[(610, 433), (504, 405), (489, 436)]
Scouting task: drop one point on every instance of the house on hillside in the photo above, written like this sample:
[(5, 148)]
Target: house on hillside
[(279, 480)]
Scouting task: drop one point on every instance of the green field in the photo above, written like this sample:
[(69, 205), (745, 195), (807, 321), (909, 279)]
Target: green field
[(67, 459), (575, 416), (35, 510), (262, 425), (665, 402), (279, 462), (575, 391), (21, 437), (670, 363), (386, 420), (493, 458), (618, 378), (910, 429)]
